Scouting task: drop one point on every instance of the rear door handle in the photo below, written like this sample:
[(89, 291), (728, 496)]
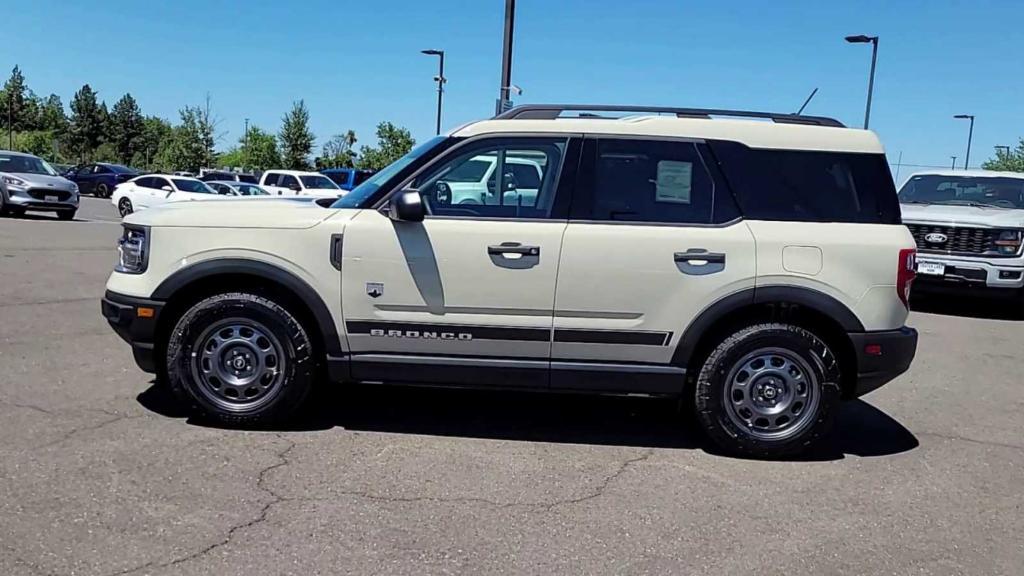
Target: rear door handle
[(513, 248), (699, 262), (700, 257)]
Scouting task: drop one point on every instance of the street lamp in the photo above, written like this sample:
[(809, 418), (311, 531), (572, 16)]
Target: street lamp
[(862, 39), (970, 134), (952, 164), (440, 79)]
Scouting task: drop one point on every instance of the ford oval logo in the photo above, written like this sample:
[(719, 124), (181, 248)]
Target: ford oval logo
[(936, 238)]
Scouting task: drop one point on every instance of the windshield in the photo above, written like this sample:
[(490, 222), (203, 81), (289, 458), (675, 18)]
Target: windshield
[(361, 193), (192, 186), (999, 192), (16, 163), (317, 182), (251, 190)]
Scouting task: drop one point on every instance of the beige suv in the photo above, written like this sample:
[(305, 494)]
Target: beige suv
[(755, 266)]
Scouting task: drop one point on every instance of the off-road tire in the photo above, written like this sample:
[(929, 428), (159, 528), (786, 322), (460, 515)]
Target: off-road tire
[(298, 360), (712, 384)]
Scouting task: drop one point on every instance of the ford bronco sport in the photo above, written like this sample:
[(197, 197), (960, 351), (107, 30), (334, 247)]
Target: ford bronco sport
[(756, 266)]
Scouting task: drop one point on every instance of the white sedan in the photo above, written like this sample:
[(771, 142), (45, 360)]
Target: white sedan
[(155, 189)]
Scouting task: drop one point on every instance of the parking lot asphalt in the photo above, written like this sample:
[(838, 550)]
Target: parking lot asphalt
[(100, 473)]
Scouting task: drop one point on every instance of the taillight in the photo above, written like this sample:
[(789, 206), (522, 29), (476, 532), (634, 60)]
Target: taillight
[(905, 274)]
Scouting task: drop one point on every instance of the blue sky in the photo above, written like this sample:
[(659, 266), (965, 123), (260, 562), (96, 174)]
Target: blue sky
[(356, 63)]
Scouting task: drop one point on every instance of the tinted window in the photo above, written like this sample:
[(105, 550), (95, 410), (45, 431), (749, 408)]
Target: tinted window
[(103, 169), (964, 190), (505, 196), (159, 183), (192, 186), (251, 190), (652, 181), (85, 171), (118, 169), (144, 182), (270, 179), (340, 178), (317, 182), (362, 176), (247, 178), (472, 171), (287, 181), (809, 186)]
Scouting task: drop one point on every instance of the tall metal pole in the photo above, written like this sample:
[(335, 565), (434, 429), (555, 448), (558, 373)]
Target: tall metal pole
[(952, 165), (970, 135), (871, 80), (10, 121), (506, 55), (440, 89)]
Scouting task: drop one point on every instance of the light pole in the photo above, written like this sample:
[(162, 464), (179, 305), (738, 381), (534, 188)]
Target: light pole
[(952, 165), (1004, 149), (506, 56), (862, 39), (440, 81), (970, 135), (245, 146), (10, 121)]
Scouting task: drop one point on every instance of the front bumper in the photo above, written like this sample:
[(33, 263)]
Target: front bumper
[(967, 271), (882, 356), (36, 198), (135, 321)]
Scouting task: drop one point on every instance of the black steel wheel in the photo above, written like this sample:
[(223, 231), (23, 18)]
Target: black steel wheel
[(239, 358), (768, 391)]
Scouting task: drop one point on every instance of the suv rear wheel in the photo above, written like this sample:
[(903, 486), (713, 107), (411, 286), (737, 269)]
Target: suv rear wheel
[(239, 358), (768, 391)]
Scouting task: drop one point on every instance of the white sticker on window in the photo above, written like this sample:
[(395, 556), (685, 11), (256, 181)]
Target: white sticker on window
[(675, 181)]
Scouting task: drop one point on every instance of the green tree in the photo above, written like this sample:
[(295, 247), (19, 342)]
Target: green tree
[(156, 134), (231, 158), (189, 147), (88, 119), (126, 128), (52, 116), (42, 143), (338, 152), (259, 150), (19, 104), (1007, 160), (393, 142), (296, 138)]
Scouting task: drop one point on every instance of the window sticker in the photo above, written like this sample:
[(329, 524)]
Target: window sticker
[(675, 182)]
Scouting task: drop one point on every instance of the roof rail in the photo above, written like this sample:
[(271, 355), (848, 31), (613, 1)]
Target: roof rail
[(552, 111)]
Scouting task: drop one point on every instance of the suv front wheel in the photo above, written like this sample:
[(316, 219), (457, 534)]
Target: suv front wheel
[(240, 358), (768, 391)]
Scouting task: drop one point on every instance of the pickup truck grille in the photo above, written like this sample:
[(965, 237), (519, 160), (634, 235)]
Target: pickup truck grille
[(959, 239)]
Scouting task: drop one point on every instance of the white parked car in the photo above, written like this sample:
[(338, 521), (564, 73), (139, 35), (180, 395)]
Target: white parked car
[(969, 228), (475, 181), (155, 189), (298, 183)]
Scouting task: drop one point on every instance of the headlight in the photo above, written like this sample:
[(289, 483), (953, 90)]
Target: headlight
[(1008, 241), (133, 250), (74, 188), (11, 180)]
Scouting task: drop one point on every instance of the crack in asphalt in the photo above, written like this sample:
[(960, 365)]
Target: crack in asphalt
[(971, 440), (276, 499), (27, 406), (78, 430), (595, 493)]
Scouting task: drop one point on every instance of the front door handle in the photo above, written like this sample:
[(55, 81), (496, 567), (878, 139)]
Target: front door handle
[(513, 248)]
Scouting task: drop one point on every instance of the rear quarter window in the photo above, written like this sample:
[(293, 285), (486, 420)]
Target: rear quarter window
[(809, 186)]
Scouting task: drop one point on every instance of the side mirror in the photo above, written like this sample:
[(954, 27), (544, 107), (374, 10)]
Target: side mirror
[(294, 187), (407, 206)]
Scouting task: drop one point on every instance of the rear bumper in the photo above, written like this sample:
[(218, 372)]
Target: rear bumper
[(123, 314), (882, 356)]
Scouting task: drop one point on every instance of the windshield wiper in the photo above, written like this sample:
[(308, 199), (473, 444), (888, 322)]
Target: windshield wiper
[(971, 203), (914, 202)]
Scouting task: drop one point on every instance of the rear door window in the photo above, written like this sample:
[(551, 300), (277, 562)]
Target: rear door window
[(809, 186), (270, 179)]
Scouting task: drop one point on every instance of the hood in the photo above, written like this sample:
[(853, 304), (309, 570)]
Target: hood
[(44, 181), (252, 212), (946, 214)]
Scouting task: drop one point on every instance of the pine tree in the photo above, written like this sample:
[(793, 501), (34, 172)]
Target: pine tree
[(296, 138)]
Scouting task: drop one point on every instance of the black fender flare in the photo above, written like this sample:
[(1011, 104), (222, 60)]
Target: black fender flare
[(321, 314), (806, 297)]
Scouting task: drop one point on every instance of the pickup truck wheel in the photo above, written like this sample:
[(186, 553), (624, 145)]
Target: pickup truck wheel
[(768, 391), (240, 359)]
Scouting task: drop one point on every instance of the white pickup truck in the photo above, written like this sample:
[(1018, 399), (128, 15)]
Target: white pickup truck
[(298, 183)]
